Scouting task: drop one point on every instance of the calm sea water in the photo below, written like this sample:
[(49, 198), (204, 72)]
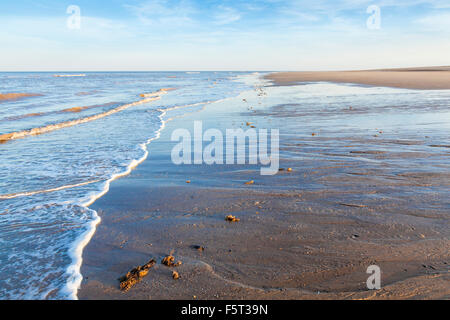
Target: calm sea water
[(47, 180)]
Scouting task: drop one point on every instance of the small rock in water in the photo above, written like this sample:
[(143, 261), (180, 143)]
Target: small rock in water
[(135, 275), (175, 275), (250, 182), (289, 169)]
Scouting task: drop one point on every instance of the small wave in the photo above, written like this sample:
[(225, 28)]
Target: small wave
[(68, 75), (75, 109), (157, 93), (52, 127), (165, 110), (24, 116), (86, 93), (31, 193), (76, 254), (183, 106), (41, 114), (204, 104)]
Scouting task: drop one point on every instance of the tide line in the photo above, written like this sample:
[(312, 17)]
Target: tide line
[(76, 252)]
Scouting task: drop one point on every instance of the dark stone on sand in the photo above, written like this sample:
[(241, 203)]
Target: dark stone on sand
[(231, 218)]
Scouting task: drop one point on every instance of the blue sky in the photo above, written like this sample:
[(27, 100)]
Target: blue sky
[(223, 35)]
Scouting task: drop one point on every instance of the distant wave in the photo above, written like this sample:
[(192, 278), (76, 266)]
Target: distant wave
[(68, 75), (86, 93), (52, 127), (23, 116), (157, 93), (41, 114), (74, 109)]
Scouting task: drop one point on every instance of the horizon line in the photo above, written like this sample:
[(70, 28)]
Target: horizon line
[(218, 70)]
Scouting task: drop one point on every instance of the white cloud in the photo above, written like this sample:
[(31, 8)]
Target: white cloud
[(435, 22), (164, 12), (226, 15)]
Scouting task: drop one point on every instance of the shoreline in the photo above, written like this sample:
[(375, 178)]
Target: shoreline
[(76, 252), (427, 78), (297, 236)]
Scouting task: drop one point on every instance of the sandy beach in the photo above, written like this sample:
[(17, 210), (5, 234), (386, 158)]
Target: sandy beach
[(429, 78), (185, 151), (354, 198)]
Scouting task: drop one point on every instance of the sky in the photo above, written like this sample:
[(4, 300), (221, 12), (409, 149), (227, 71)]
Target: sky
[(157, 35)]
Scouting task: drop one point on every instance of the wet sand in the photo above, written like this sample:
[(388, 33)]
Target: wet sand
[(431, 78), (306, 234)]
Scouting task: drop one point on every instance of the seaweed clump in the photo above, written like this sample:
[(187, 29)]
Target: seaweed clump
[(135, 275)]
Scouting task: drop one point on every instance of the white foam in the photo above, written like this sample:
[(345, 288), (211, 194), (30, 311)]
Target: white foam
[(76, 251), (31, 193)]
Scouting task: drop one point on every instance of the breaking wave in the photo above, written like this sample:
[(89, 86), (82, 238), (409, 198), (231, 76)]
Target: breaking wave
[(52, 127)]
